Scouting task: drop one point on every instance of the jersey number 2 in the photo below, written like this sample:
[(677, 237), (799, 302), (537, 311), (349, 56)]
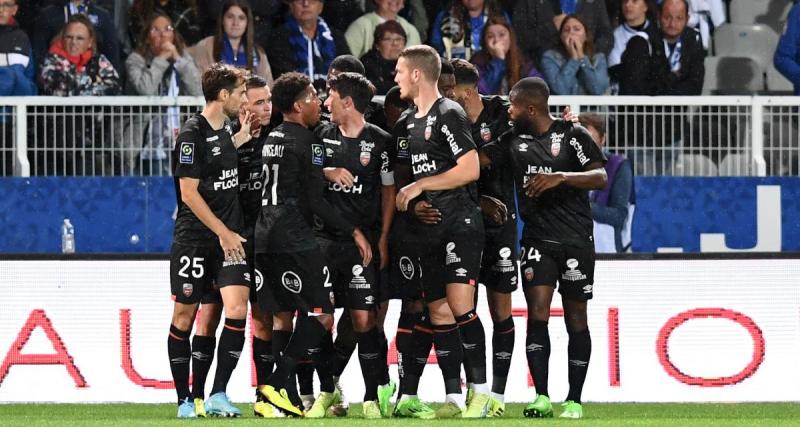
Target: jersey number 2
[(272, 176), (195, 263)]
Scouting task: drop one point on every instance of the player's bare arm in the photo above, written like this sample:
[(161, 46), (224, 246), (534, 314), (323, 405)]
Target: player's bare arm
[(466, 170), (389, 193), (340, 176), (231, 242), (594, 178)]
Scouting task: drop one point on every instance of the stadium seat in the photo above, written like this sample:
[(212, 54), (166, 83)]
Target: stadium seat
[(777, 84), (757, 41), (737, 164), (694, 165), (732, 75), (767, 12)]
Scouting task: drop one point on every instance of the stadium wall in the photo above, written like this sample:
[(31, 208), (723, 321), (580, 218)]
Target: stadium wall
[(135, 214), (672, 328)]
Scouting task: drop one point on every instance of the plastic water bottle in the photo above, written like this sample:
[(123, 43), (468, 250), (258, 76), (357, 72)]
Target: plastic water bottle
[(67, 237)]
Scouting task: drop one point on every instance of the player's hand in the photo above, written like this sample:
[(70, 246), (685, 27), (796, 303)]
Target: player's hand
[(427, 214), (494, 209), (383, 250), (569, 116), (542, 182), (407, 194), (246, 122), (232, 245), (364, 248), (340, 176)]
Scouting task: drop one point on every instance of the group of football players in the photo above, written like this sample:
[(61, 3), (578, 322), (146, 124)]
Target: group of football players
[(416, 199)]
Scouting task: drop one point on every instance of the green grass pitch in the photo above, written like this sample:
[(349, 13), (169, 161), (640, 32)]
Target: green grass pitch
[(596, 414)]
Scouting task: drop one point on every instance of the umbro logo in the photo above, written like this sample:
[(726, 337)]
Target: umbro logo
[(578, 363), (441, 353), (503, 355), (368, 356), (534, 347), (468, 346), (199, 355), (235, 354), (179, 360)]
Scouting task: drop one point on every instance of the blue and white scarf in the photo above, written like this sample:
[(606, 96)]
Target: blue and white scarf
[(312, 57)]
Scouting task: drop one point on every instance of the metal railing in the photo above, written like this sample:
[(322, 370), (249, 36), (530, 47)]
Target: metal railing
[(682, 136)]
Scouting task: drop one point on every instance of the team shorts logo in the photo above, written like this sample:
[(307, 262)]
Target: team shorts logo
[(529, 274), (573, 273), (358, 281), (588, 289), (451, 257), (504, 264), (406, 267), (187, 153), (259, 280), (247, 277), (461, 272), (188, 289), (291, 281), (486, 133)]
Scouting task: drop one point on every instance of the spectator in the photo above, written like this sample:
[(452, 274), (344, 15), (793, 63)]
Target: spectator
[(160, 66), (340, 14), (787, 55), (183, 14), (631, 41), (393, 107), (379, 62), (673, 60), (501, 63), (305, 43), (456, 32), (415, 12), (613, 206), (360, 33), (73, 67), (575, 68), (234, 43), (52, 20), (704, 16), (538, 24), (16, 62), (265, 13)]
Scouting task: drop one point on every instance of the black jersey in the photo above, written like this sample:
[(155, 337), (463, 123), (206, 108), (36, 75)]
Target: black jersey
[(561, 214), (436, 141), (367, 159), (491, 123), (207, 155), (251, 178), (293, 192)]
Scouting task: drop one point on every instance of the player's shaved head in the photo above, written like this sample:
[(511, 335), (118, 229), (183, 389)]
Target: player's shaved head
[(530, 91), (425, 59)]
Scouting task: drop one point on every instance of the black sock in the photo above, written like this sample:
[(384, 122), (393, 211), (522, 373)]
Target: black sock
[(263, 359), (284, 380), (202, 356), (384, 357), (450, 354), (307, 334), (502, 348), (344, 346), (578, 351), (369, 355), (404, 343), (305, 376), (473, 339), (321, 354), (537, 350), (414, 365), (180, 352), (231, 342)]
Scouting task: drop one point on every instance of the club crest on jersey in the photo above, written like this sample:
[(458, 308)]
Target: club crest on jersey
[(291, 281), (486, 133), (529, 274), (555, 148), (428, 132), (364, 158), (187, 289)]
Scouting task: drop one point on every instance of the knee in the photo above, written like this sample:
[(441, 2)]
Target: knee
[(282, 322), (326, 320), (183, 323), (539, 312), (440, 313), (363, 321), (236, 311), (183, 316)]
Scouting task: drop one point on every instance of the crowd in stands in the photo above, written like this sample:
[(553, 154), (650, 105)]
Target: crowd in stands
[(159, 47)]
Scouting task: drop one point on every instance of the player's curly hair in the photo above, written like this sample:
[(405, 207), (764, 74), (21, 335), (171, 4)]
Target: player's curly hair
[(354, 85), (218, 77), (287, 89)]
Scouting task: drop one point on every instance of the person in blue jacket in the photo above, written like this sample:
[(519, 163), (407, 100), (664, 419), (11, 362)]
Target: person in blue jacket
[(16, 63), (787, 55)]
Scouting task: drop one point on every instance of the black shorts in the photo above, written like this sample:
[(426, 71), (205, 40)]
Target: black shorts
[(215, 297), (499, 269), (197, 271), (354, 286), (294, 281), (547, 263), (454, 255), (404, 275)]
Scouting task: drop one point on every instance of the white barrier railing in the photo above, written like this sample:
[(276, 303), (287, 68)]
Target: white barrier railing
[(694, 136)]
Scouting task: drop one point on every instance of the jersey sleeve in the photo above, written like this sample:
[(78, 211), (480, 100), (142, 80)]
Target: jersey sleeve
[(455, 132), (583, 148), (387, 166), (190, 154), (312, 157), (497, 150)]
